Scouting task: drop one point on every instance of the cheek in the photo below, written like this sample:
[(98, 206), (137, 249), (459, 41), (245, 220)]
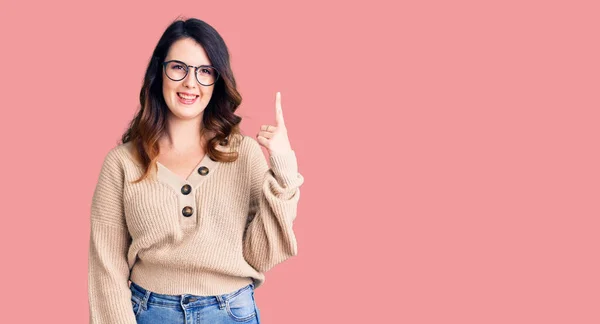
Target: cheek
[(206, 94), (167, 86)]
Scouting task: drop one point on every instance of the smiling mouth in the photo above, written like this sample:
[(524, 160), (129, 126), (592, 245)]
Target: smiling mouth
[(187, 97)]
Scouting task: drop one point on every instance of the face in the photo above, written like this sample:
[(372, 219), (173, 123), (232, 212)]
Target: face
[(189, 52)]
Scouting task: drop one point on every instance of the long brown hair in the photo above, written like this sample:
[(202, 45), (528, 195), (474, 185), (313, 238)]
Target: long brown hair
[(219, 123)]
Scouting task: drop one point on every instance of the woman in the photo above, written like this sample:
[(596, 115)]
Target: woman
[(186, 207)]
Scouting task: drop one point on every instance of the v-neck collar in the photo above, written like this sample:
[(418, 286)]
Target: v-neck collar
[(201, 172), (186, 189)]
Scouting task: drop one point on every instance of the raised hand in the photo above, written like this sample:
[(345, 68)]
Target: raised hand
[(274, 137)]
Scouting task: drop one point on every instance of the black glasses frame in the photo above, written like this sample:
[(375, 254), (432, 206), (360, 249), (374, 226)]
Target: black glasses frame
[(187, 70)]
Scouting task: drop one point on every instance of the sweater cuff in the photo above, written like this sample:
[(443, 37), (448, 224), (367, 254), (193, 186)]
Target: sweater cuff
[(285, 167)]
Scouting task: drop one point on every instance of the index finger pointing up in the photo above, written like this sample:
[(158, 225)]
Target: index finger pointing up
[(278, 110)]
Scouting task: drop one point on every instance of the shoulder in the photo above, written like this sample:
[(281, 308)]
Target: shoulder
[(249, 147), (124, 154), (118, 155), (248, 141)]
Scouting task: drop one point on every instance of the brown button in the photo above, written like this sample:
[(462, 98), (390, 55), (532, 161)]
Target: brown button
[(186, 189), (203, 170), (187, 211)]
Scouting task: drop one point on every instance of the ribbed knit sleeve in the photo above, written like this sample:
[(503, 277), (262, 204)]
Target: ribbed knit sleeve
[(108, 272), (275, 192)]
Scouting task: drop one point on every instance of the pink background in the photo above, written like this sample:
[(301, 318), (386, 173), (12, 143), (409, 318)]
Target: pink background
[(450, 151)]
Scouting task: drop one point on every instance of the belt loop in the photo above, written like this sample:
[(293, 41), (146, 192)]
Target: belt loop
[(145, 300), (221, 302)]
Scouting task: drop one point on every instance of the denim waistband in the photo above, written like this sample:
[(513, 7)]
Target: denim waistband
[(186, 299)]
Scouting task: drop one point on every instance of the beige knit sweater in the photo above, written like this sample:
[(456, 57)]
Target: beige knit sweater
[(239, 226)]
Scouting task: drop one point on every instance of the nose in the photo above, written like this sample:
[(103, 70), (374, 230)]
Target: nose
[(190, 78)]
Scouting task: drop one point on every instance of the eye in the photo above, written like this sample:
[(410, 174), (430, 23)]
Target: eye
[(206, 71)]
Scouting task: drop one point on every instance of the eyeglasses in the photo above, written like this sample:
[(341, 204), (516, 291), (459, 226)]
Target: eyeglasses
[(206, 75)]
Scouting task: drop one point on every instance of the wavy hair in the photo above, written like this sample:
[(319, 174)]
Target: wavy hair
[(219, 123)]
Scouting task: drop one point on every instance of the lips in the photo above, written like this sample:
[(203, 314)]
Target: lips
[(186, 96), (180, 98)]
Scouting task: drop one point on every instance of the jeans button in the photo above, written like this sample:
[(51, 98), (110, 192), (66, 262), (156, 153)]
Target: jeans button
[(189, 299)]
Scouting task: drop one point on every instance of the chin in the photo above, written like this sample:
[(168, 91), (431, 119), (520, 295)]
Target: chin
[(187, 113)]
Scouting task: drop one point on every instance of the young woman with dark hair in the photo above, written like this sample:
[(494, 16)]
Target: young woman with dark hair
[(187, 216)]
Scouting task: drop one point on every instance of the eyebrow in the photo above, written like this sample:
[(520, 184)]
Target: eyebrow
[(186, 62)]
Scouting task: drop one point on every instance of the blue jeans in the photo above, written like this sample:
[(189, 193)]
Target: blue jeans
[(236, 307)]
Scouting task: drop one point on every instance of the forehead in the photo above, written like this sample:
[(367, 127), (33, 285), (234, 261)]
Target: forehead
[(188, 51)]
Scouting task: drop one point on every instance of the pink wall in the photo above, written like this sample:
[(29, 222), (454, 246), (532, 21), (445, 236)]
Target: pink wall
[(450, 151)]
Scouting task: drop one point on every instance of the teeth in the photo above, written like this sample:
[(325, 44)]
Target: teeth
[(186, 96)]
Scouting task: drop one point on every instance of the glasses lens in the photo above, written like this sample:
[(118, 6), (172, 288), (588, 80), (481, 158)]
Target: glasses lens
[(206, 75), (175, 70)]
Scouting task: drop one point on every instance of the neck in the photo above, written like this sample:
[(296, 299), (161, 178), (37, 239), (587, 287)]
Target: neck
[(183, 135)]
